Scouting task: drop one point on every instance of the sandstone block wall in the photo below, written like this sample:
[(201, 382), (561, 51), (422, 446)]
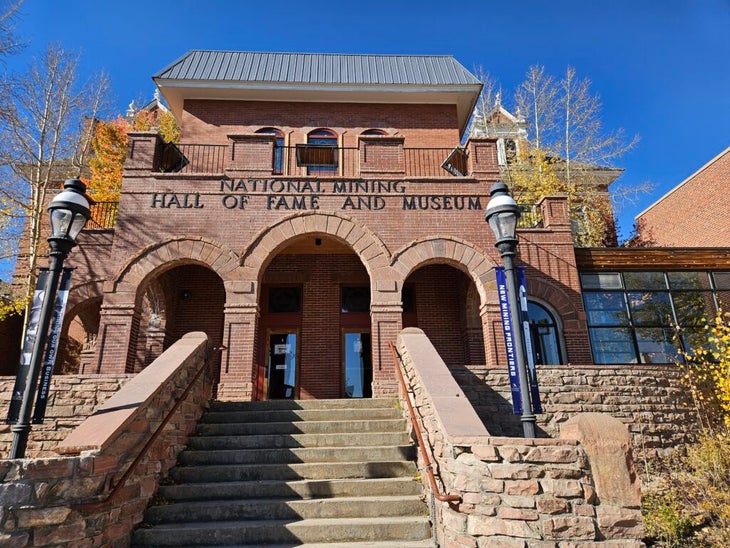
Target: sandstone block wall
[(64, 501), (649, 400), (516, 492), (71, 400)]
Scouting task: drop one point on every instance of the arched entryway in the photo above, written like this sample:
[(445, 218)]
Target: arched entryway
[(443, 301), (314, 328), (172, 302), (79, 336)]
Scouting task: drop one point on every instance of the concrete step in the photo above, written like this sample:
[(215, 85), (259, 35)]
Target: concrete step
[(296, 455), (288, 472), (428, 543), (340, 439), (266, 532), (261, 509), (288, 427), (352, 403), (297, 489), (295, 415)]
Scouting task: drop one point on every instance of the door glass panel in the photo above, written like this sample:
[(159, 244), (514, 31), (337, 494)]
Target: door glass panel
[(358, 365), (281, 374)]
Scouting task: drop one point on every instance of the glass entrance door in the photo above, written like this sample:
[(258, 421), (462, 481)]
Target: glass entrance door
[(358, 366), (281, 370)]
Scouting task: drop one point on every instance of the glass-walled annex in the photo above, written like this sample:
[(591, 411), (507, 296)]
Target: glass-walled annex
[(632, 317)]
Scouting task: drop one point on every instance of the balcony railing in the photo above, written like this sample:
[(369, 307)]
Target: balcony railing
[(318, 160), (530, 216)]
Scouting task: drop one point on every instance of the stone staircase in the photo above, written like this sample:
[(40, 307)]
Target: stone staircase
[(293, 473)]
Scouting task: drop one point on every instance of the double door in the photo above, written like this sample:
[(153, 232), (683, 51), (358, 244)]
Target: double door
[(282, 375)]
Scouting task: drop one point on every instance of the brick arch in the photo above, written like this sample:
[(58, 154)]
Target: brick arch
[(467, 257), (555, 296), (373, 253), (85, 291), (171, 253)]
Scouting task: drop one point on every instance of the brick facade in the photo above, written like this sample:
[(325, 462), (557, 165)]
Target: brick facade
[(703, 221), (197, 248)]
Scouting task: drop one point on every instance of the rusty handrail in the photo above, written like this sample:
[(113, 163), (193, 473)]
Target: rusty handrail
[(116, 486), (429, 468)]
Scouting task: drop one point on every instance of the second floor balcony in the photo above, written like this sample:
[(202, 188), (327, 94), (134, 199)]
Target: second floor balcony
[(261, 155)]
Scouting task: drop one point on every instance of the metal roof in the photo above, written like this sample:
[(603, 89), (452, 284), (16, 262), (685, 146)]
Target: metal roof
[(318, 68)]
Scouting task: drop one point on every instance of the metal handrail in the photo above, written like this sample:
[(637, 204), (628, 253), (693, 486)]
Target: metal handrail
[(421, 445), (117, 486)]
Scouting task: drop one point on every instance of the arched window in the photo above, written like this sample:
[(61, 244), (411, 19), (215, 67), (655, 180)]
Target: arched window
[(373, 132), (320, 154), (278, 163), (545, 336)]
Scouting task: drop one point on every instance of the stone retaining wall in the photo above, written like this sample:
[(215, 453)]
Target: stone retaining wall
[(71, 399), (516, 492), (649, 400), (62, 501)]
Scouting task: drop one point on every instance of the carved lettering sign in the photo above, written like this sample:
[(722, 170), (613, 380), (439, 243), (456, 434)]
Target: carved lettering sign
[(295, 194)]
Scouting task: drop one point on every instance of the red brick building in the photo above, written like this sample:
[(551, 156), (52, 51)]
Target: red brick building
[(307, 214), (317, 205), (693, 213)]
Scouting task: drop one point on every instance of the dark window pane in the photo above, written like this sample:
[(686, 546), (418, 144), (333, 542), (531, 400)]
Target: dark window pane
[(545, 346), (356, 299), (650, 308), (693, 308), (688, 280), (605, 308), (602, 280), (285, 299), (656, 345), (407, 298), (644, 280), (612, 345), (722, 280)]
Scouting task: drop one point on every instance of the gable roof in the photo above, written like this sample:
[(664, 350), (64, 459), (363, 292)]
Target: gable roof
[(325, 77), (322, 68)]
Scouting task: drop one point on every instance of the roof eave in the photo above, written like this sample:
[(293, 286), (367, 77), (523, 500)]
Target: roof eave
[(463, 96)]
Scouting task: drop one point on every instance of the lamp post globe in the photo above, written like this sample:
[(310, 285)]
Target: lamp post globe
[(69, 211), (502, 215)]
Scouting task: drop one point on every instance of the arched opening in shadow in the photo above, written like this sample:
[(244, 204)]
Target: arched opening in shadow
[(314, 331), (444, 302), (78, 338), (173, 302)]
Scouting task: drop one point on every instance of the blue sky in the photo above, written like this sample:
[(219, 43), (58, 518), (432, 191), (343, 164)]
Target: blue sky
[(662, 68)]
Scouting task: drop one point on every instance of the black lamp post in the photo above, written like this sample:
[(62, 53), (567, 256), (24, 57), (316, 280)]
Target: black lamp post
[(69, 211), (502, 215)]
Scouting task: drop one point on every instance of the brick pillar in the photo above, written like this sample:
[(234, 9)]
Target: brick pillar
[(554, 211), (238, 360), (142, 152), (494, 350), (386, 322), (483, 161), (116, 325)]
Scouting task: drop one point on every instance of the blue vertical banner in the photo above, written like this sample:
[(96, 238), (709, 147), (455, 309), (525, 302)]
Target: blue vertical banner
[(16, 400), (527, 338), (54, 336), (509, 341)]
